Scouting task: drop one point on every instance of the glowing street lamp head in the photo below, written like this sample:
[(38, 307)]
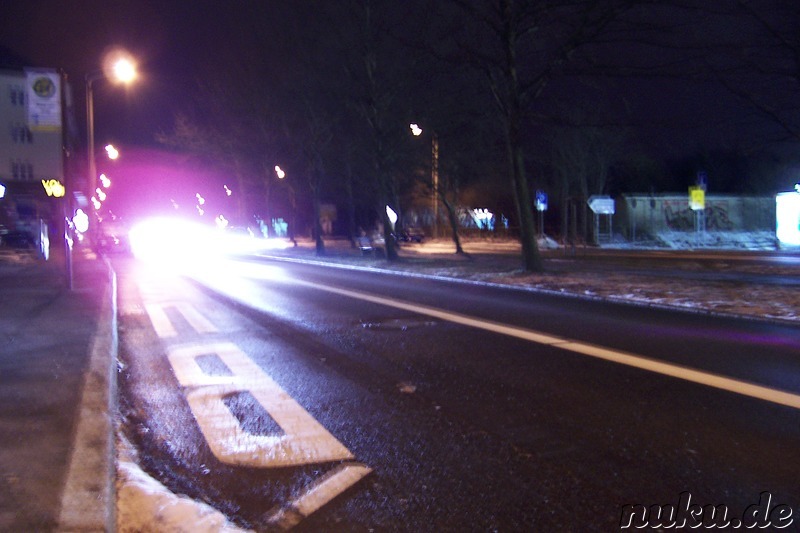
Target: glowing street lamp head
[(124, 70), (119, 66), (415, 130), (279, 171), (112, 152)]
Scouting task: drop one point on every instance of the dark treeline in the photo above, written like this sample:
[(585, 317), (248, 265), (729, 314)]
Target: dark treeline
[(574, 98)]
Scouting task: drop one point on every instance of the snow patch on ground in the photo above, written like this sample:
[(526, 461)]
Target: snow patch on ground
[(144, 505), (688, 285), (719, 240)]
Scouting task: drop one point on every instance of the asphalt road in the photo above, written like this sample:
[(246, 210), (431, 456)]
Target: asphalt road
[(333, 399)]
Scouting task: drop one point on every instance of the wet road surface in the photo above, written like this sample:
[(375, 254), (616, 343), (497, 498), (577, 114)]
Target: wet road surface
[(331, 399)]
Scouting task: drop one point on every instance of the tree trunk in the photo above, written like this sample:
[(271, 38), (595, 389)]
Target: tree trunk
[(453, 219), (388, 237), (351, 206), (513, 117)]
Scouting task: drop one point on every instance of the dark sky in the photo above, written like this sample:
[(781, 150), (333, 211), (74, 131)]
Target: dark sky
[(165, 37), (178, 42)]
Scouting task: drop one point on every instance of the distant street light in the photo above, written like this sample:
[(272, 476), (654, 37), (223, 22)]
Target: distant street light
[(112, 152), (120, 68), (279, 171)]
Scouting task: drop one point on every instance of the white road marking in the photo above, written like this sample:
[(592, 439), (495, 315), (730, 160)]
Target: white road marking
[(304, 440), (195, 319), (629, 359), (321, 492), (164, 326), (160, 320)]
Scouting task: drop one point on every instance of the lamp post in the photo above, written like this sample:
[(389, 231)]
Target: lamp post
[(417, 131), (122, 69), (281, 174)]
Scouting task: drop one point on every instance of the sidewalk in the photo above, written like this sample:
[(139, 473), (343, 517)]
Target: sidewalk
[(57, 352)]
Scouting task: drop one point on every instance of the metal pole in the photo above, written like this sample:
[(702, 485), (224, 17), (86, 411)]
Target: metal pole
[(541, 224), (65, 203), (92, 182), (435, 176)]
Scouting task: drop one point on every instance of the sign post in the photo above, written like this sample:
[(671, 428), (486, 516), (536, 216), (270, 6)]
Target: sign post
[(602, 205), (541, 207), (697, 203)]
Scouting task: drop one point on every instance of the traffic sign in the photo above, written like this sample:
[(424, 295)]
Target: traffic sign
[(541, 201), (697, 198), (601, 205)]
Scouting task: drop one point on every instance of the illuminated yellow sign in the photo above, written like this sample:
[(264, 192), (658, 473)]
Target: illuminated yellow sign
[(697, 198), (54, 188)]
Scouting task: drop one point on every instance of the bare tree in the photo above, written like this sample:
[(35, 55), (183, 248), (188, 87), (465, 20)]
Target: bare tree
[(376, 78), (233, 129), (761, 64), (520, 46), (581, 157)]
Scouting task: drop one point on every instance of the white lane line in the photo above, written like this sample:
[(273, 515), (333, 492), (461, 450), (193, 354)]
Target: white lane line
[(160, 320), (164, 326), (687, 374), (303, 441), (195, 319), (320, 493)]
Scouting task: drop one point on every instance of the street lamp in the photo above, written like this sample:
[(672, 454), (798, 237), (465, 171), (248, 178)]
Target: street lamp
[(119, 68), (112, 152), (281, 174), (417, 131)]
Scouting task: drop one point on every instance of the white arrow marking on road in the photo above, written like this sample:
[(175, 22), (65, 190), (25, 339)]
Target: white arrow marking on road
[(688, 374)]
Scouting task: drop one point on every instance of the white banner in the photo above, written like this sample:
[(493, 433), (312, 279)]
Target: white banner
[(44, 99)]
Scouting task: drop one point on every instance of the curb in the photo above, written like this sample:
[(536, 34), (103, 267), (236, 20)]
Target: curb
[(89, 498)]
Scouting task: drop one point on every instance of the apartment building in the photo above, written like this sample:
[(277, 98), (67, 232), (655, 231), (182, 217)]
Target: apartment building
[(31, 152)]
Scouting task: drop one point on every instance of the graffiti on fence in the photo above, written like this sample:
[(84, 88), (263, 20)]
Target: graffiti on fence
[(679, 217)]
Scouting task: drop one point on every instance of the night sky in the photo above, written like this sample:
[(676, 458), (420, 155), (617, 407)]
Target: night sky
[(178, 43)]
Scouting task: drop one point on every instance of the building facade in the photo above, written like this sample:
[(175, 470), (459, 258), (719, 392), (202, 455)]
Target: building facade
[(31, 153)]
